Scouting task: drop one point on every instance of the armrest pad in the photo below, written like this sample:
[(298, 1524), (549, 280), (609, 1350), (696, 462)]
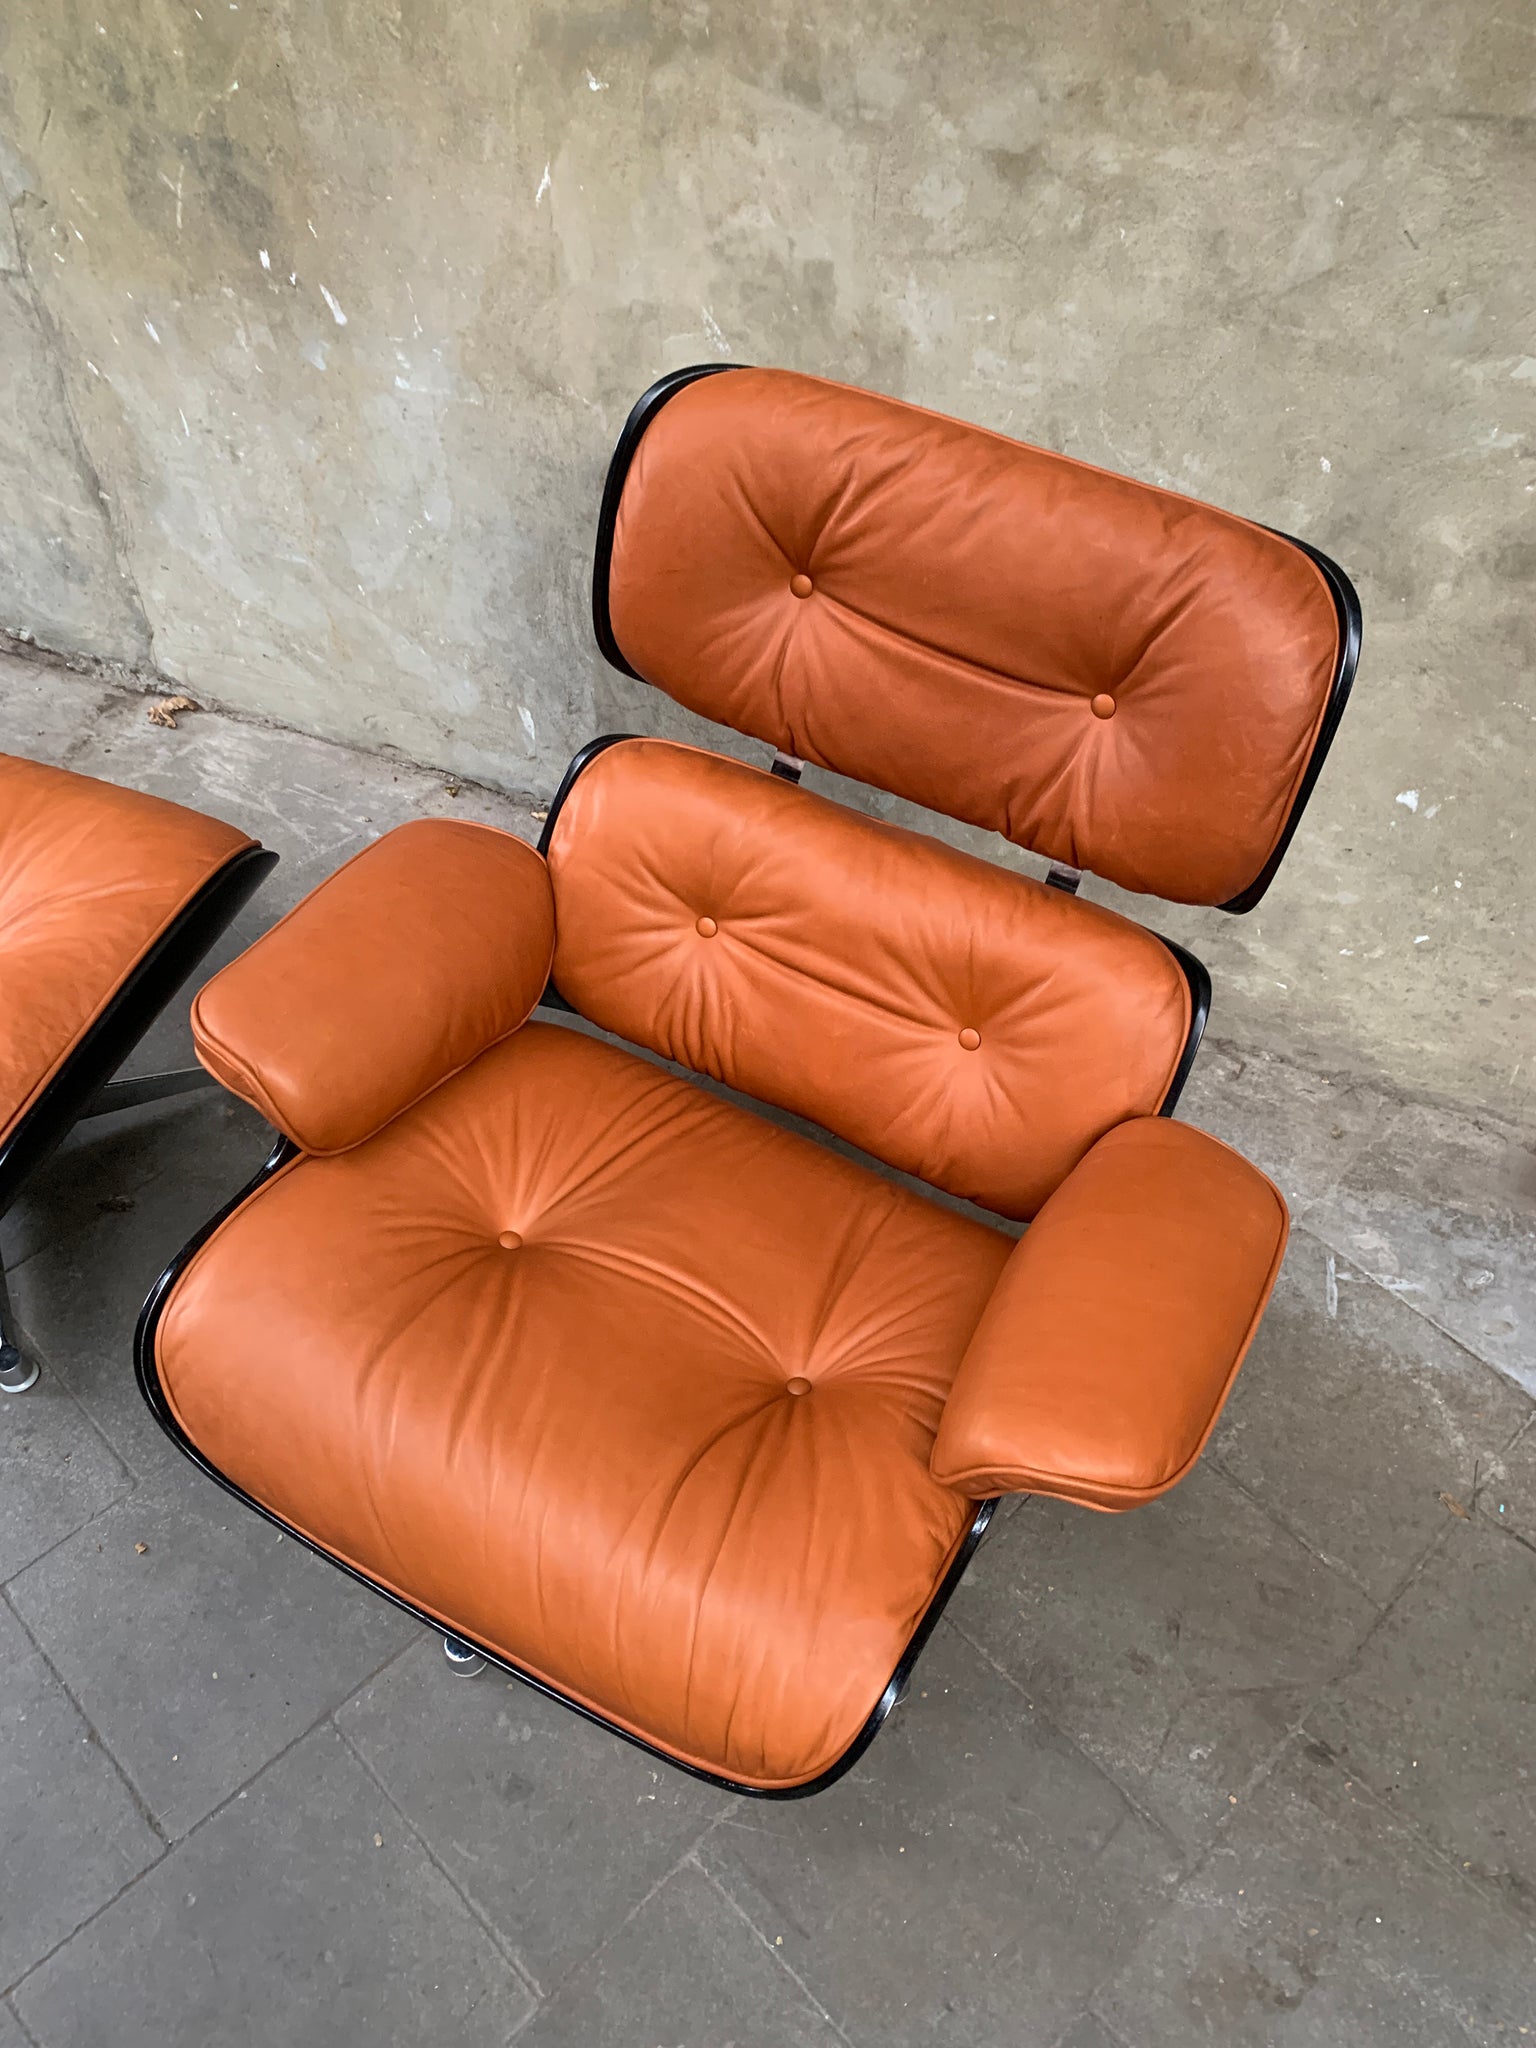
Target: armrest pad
[(427, 947), (1117, 1326)]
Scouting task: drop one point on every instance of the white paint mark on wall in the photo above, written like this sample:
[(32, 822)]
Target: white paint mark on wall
[(149, 329), (1422, 939), (1331, 1286), (713, 330), (544, 184), (1322, 461), (336, 313), (596, 84), (184, 427), (266, 260), (1408, 798), (526, 718)]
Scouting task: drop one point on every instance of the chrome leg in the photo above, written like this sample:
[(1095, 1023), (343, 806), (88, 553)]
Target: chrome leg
[(466, 1662), (17, 1371), (141, 1088)]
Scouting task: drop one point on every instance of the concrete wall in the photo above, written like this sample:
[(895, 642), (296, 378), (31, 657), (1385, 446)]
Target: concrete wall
[(322, 316)]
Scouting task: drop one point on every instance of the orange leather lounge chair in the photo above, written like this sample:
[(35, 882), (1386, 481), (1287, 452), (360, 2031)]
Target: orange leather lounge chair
[(108, 900), (685, 1417)]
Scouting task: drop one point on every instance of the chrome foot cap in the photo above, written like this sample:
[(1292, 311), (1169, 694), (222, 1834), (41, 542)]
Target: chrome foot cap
[(461, 1658), (17, 1371)]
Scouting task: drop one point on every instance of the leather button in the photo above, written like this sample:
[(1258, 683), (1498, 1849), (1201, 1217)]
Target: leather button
[(1103, 706), (510, 1241), (970, 1039), (801, 585), (797, 1385), (706, 927)]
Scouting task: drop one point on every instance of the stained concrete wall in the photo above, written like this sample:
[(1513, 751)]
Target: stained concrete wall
[(321, 318)]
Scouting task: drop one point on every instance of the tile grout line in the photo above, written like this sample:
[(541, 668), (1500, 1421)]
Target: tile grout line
[(1303, 1221), (1334, 1565), (140, 1804), (776, 1954), (576, 1970), (173, 1845), (1017, 1685), (26, 2033), (499, 1941)]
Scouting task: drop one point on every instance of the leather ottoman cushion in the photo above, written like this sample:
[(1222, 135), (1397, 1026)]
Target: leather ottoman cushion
[(90, 877)]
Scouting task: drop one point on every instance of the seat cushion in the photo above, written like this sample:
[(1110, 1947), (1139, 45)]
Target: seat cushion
[(90, 877), (622, 1380), (969, 1026)]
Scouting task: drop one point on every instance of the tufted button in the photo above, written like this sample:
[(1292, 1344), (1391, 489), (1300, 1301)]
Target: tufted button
[(970, 1039), (798, 1385), (1103, 706), (510, 1241), (801, 584), (706, 927)]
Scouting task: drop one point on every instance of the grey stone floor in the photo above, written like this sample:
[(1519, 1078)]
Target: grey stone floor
[(1256, 1765)]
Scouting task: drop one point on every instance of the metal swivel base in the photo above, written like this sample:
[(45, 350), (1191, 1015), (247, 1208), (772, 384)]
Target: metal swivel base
[(466, 1662), (17, 1371)]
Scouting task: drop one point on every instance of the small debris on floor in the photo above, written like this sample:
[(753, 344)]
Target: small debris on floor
[(378, 1841), (115, 1205), (140, 1549), (540, 816), (1449, 1500), (452, 788), (163, 711)]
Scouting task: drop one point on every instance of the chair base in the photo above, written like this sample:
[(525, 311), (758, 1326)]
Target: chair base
[(17, 1371), (463, 1660)]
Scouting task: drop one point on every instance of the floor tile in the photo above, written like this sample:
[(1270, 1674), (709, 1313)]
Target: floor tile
[(1438, 1714), (1177, 1644), (687, 1972), (1442, 1206), (55, 1473), (1353, 1414), (1319, 1921), (302, 1916), (556, 1828), (970, 1881), (72, 1836), (201, 1655)]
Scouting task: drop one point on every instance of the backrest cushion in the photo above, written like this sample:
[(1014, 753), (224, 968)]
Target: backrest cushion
[(1115, 676), (969, 1026)]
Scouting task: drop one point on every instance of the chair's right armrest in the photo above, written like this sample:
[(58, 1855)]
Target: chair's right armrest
[(425, 949), (1101, 1363)]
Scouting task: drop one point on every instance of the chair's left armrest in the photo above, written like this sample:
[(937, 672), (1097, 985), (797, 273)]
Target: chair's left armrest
[(1102, 1360), (424, 950)]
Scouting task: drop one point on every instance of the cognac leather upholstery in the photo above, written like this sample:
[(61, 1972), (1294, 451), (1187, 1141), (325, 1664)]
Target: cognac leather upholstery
[(619, 1379), (427, 947), (91, 876), (680, 1413), (941, 1013), (1104, 1355), (1115, 676)]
